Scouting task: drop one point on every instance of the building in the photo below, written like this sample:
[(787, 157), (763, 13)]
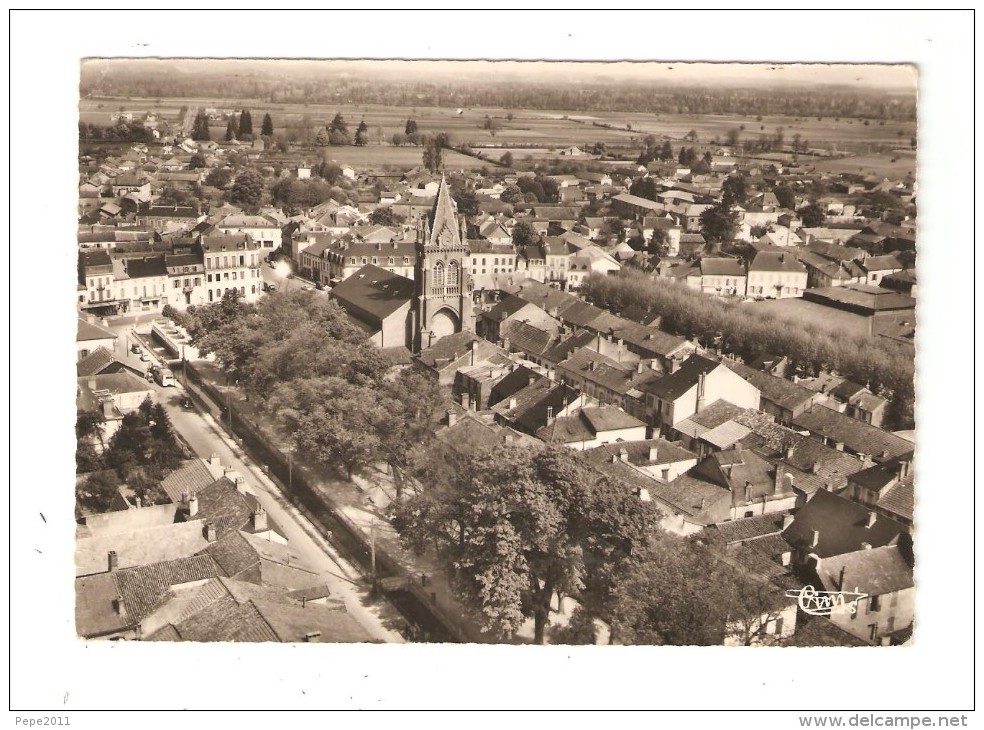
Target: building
[(442, 279), (381, 303), (232, 261), (776, 276), (91, 336), (264, 233)]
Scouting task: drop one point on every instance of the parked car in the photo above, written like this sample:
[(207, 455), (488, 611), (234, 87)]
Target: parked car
[(144, 357), (186, 402), (135, 348)]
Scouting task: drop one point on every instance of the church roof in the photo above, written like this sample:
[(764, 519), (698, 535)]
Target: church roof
[(444, 219)]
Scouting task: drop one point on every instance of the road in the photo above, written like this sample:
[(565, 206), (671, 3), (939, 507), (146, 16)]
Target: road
[(203, 435)]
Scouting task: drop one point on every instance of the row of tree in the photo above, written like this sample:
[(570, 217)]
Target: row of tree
[(120, 132), (748, 333), (239, 127)]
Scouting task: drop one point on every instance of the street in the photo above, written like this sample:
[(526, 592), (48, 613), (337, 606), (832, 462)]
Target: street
[(205, 437)]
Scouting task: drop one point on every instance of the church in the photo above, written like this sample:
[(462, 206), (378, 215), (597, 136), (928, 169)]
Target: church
[(396, 311)]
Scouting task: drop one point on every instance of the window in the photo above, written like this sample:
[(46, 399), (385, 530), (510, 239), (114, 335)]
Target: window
[(778, 631), (177, 283), (242, 260), (452, 274), (874, 604), (210, 295), (873, 632), (234, 275), (437, 274), (242, 290), (209, 278), (252, 289)]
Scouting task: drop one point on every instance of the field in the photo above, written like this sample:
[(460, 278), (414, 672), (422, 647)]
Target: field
[(402, 158), (799, 312), (892, 165), (532, 128)]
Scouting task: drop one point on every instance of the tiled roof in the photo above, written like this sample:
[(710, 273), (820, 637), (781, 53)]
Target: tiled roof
[(876, 572), (374, 291), (672, 386), (223, 505), (750, 528), (859, 437), (769, 261), (145, 267), (528, 338), (820, 631), (638, 452), (138, 547), (91, 331), (689, 495), (94, 610), (229, 621), (609, 418), (190, 478), (94, 363), (725, 435), (842, 526), (234, 555), (782, 392), (606, 372), (721, 267), (144, 588), (566, 430)]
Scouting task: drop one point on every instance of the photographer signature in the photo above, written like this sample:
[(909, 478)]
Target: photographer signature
[(822, 603)]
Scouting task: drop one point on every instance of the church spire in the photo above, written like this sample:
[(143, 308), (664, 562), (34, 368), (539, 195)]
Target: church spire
[(444, 229)]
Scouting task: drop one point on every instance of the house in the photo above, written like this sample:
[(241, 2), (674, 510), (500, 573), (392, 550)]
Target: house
[(878, 267), (857, 401), (780, 398), (689, 504), (829, 525), (849, 434), (379, 302), (232, 261), (775, 276), (882, 580), (91, 335), (886, 488), (756, 486), (169, 218), (264, 233), (443, 359), (719, 276), (691, 387), (510, 308), (586, 261), (228, 610), (591, 427), (656, 458)]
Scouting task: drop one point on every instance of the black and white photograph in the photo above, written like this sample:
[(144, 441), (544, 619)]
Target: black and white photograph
[(515, 357)]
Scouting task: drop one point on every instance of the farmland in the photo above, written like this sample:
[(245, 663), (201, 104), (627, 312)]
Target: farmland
[(533, 128)]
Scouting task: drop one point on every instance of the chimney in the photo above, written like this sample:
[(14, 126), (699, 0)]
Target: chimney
[(593, 366), (644, 495), (119, 607), (652, 455), (701, 382), (787, 520), (139, 502), (472, 346), (614, 458), (209, 531), (107, 406), (551, 375), (452, 417), (190, 503), (839, 445), (903, 469), (550, 416), (623, 455), (777, 482), (639, 368), (466, 400), (789, 451), (884, 455), (114, 562), (815, 539), (748, 491), (840, 583), (512, 403), (872, 517), (703, 503), (213, 459), (258, 520), (674, 364), (313, 637), (505, 344)]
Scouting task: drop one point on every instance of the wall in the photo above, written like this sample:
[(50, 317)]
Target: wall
[(859, 624)]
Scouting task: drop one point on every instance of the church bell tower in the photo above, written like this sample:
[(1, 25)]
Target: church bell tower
[(442, 280)]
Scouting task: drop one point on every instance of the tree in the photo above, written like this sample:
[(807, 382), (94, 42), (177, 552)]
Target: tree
[(247, 190), (336, 137), (199, 130), (230, 130), (719, 223), (338, 124), (433, 151), (733, 190), (691, 136), (220, 177), (98, 491), (519, 526), (362, 134), (197, 161), (322, 138), (267, 129), (410, 128), (785, 196), (506, 159), (813, 215), (666, 153), (245, 125), (524, 234), (734, 137), (385, 217)]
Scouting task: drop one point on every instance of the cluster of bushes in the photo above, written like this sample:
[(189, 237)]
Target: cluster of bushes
[(140, 454), (747, 333)]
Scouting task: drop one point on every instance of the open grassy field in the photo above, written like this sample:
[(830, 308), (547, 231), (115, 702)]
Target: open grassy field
[(889, 164), (799, 311)]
